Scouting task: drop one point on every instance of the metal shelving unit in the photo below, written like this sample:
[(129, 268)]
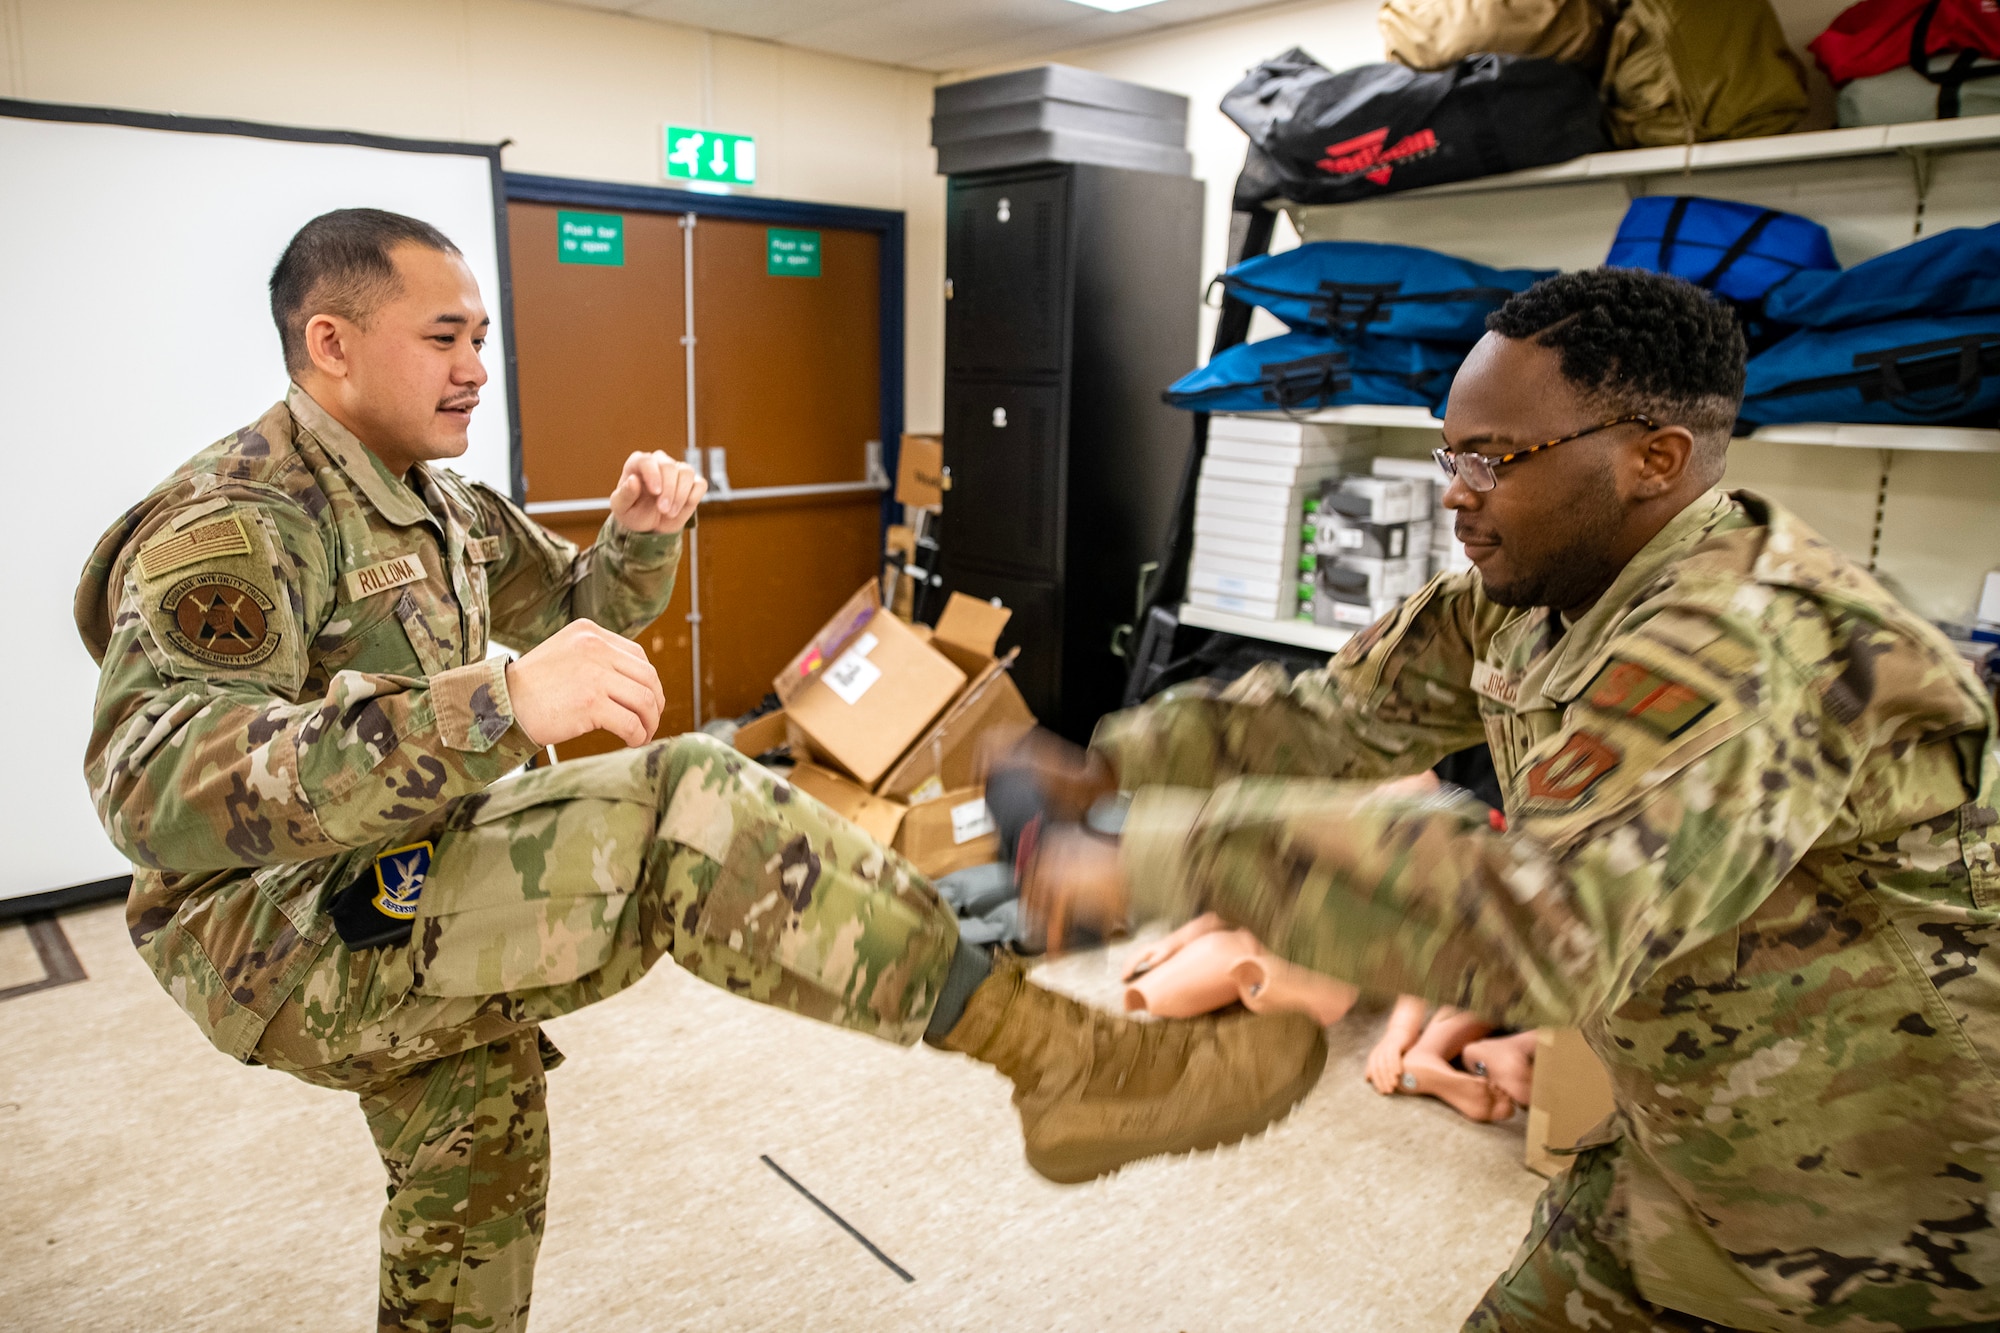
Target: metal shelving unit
[(1298, 633), (1877, 187), (1838, 435), (1914, 137)]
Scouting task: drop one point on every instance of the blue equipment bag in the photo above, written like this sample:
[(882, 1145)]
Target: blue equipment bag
[(1357, 288), (1299, 372), (1950, 273), (1738, 251), (1898, 372)]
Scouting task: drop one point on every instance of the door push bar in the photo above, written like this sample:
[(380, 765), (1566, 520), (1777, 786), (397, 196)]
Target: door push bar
[(720, 490)]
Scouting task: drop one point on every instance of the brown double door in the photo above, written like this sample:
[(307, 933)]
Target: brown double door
[(786, 385)]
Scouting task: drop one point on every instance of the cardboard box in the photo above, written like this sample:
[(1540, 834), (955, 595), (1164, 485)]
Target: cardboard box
[(1572, 1094), (878, 817), (988, 710), (920, 479), (762, 734), (940, 836), (866, 687), (953, 832)]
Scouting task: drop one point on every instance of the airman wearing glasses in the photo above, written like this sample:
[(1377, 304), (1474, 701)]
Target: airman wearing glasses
[(1750, 846)]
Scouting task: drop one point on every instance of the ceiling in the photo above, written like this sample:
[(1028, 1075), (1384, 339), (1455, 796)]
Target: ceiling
[(936, 35)]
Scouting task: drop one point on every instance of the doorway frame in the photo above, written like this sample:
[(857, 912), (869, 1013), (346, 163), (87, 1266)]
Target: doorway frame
[(887, 224)]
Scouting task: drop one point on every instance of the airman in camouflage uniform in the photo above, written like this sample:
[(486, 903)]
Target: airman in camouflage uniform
[(1751, 806), (296, 698)]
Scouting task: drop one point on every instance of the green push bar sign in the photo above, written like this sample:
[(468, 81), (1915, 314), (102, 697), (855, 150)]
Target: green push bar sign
[(791, 254), (704, 155), (590, 238)]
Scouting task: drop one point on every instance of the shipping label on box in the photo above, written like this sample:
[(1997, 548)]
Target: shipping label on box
[(884, 686), (949, 834)]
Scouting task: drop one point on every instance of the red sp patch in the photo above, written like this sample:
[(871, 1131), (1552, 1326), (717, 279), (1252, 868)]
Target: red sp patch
[(1648, 698), (1573, 770)]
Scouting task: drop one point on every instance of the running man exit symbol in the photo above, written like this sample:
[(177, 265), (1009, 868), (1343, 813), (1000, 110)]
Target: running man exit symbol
[(704, 155)]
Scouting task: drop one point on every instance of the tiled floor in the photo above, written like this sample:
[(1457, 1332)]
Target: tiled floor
[(146, 1182)]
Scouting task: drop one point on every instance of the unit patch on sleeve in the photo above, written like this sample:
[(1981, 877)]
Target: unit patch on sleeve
[(219, 619), (208, 540), (379, 906), (1629, 690), (1573, 770), (383, 575)]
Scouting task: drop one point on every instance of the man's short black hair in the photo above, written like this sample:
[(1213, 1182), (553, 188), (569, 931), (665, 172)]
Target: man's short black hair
[(1635, 341), (339, 264)]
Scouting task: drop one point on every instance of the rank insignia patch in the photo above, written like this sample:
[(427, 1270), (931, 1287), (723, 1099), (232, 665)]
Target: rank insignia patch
[(1573, 770), (219, 619), (399, 880), (1646, 697)]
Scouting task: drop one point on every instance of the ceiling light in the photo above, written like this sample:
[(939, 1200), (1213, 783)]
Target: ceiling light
[(1116, 6)]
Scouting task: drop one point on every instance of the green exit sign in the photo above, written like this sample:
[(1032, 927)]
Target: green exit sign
[(590, 238), (791, 254), (704, 155)]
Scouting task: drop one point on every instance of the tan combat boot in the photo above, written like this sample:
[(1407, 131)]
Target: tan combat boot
[(1096, 1091)]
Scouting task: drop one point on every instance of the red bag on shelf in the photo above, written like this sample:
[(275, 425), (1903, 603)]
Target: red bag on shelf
[(1876, 36)]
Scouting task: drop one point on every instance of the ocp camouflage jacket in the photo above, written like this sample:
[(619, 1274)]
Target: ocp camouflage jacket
[(1751, 807), (294, 677)]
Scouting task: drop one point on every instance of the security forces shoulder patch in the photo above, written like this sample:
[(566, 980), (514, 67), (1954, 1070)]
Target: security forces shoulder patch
[(399, 880), (380, 906), (219, 619), (1638, 693)]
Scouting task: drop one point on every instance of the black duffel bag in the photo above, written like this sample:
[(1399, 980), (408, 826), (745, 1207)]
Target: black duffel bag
[(1318, 137)]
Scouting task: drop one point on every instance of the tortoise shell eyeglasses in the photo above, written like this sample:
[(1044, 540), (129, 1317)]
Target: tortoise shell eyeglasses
[(1476, 469)]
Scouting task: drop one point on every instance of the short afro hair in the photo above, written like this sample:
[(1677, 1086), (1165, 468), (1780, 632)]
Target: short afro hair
[(1636, 341), (339, 264)]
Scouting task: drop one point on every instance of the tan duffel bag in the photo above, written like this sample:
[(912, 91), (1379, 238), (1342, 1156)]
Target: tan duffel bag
[(1431, 34), (1686, 71)]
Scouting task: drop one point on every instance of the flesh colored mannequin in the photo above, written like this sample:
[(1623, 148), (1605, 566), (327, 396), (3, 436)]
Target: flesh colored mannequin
[(1415, 1057), (1203, 966), (1509, 1063)]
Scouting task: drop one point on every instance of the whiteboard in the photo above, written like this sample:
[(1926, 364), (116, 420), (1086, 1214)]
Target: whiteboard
[(135, 330)]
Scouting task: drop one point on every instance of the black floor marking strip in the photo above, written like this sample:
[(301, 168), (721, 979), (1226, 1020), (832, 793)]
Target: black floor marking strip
[(842, 1222), (59, 962)]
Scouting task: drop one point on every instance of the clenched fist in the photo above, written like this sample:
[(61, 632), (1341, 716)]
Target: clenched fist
[(584, 678), (656, 493)]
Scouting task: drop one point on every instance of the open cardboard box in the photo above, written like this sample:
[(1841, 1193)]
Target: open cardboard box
[(953, 832), (866, 687), (1572, 1094), (925, 800), (989, 708)]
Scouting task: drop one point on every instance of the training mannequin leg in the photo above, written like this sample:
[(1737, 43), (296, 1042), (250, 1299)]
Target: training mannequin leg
[(1428, 1071)]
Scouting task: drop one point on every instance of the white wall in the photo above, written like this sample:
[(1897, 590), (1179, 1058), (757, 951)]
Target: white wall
[(581, 93)]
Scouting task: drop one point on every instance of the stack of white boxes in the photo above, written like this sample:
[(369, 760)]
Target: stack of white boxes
[(1251, 506), (1447, 553), (1372, 535)]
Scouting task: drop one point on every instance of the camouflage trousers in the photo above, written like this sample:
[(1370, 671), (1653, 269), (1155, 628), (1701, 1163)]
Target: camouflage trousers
[(551, 891), (1572, 1272)]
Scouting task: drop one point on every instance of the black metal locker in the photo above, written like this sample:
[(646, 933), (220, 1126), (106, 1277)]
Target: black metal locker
[(1004, 449), (1006, 246), (1060, 337)]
